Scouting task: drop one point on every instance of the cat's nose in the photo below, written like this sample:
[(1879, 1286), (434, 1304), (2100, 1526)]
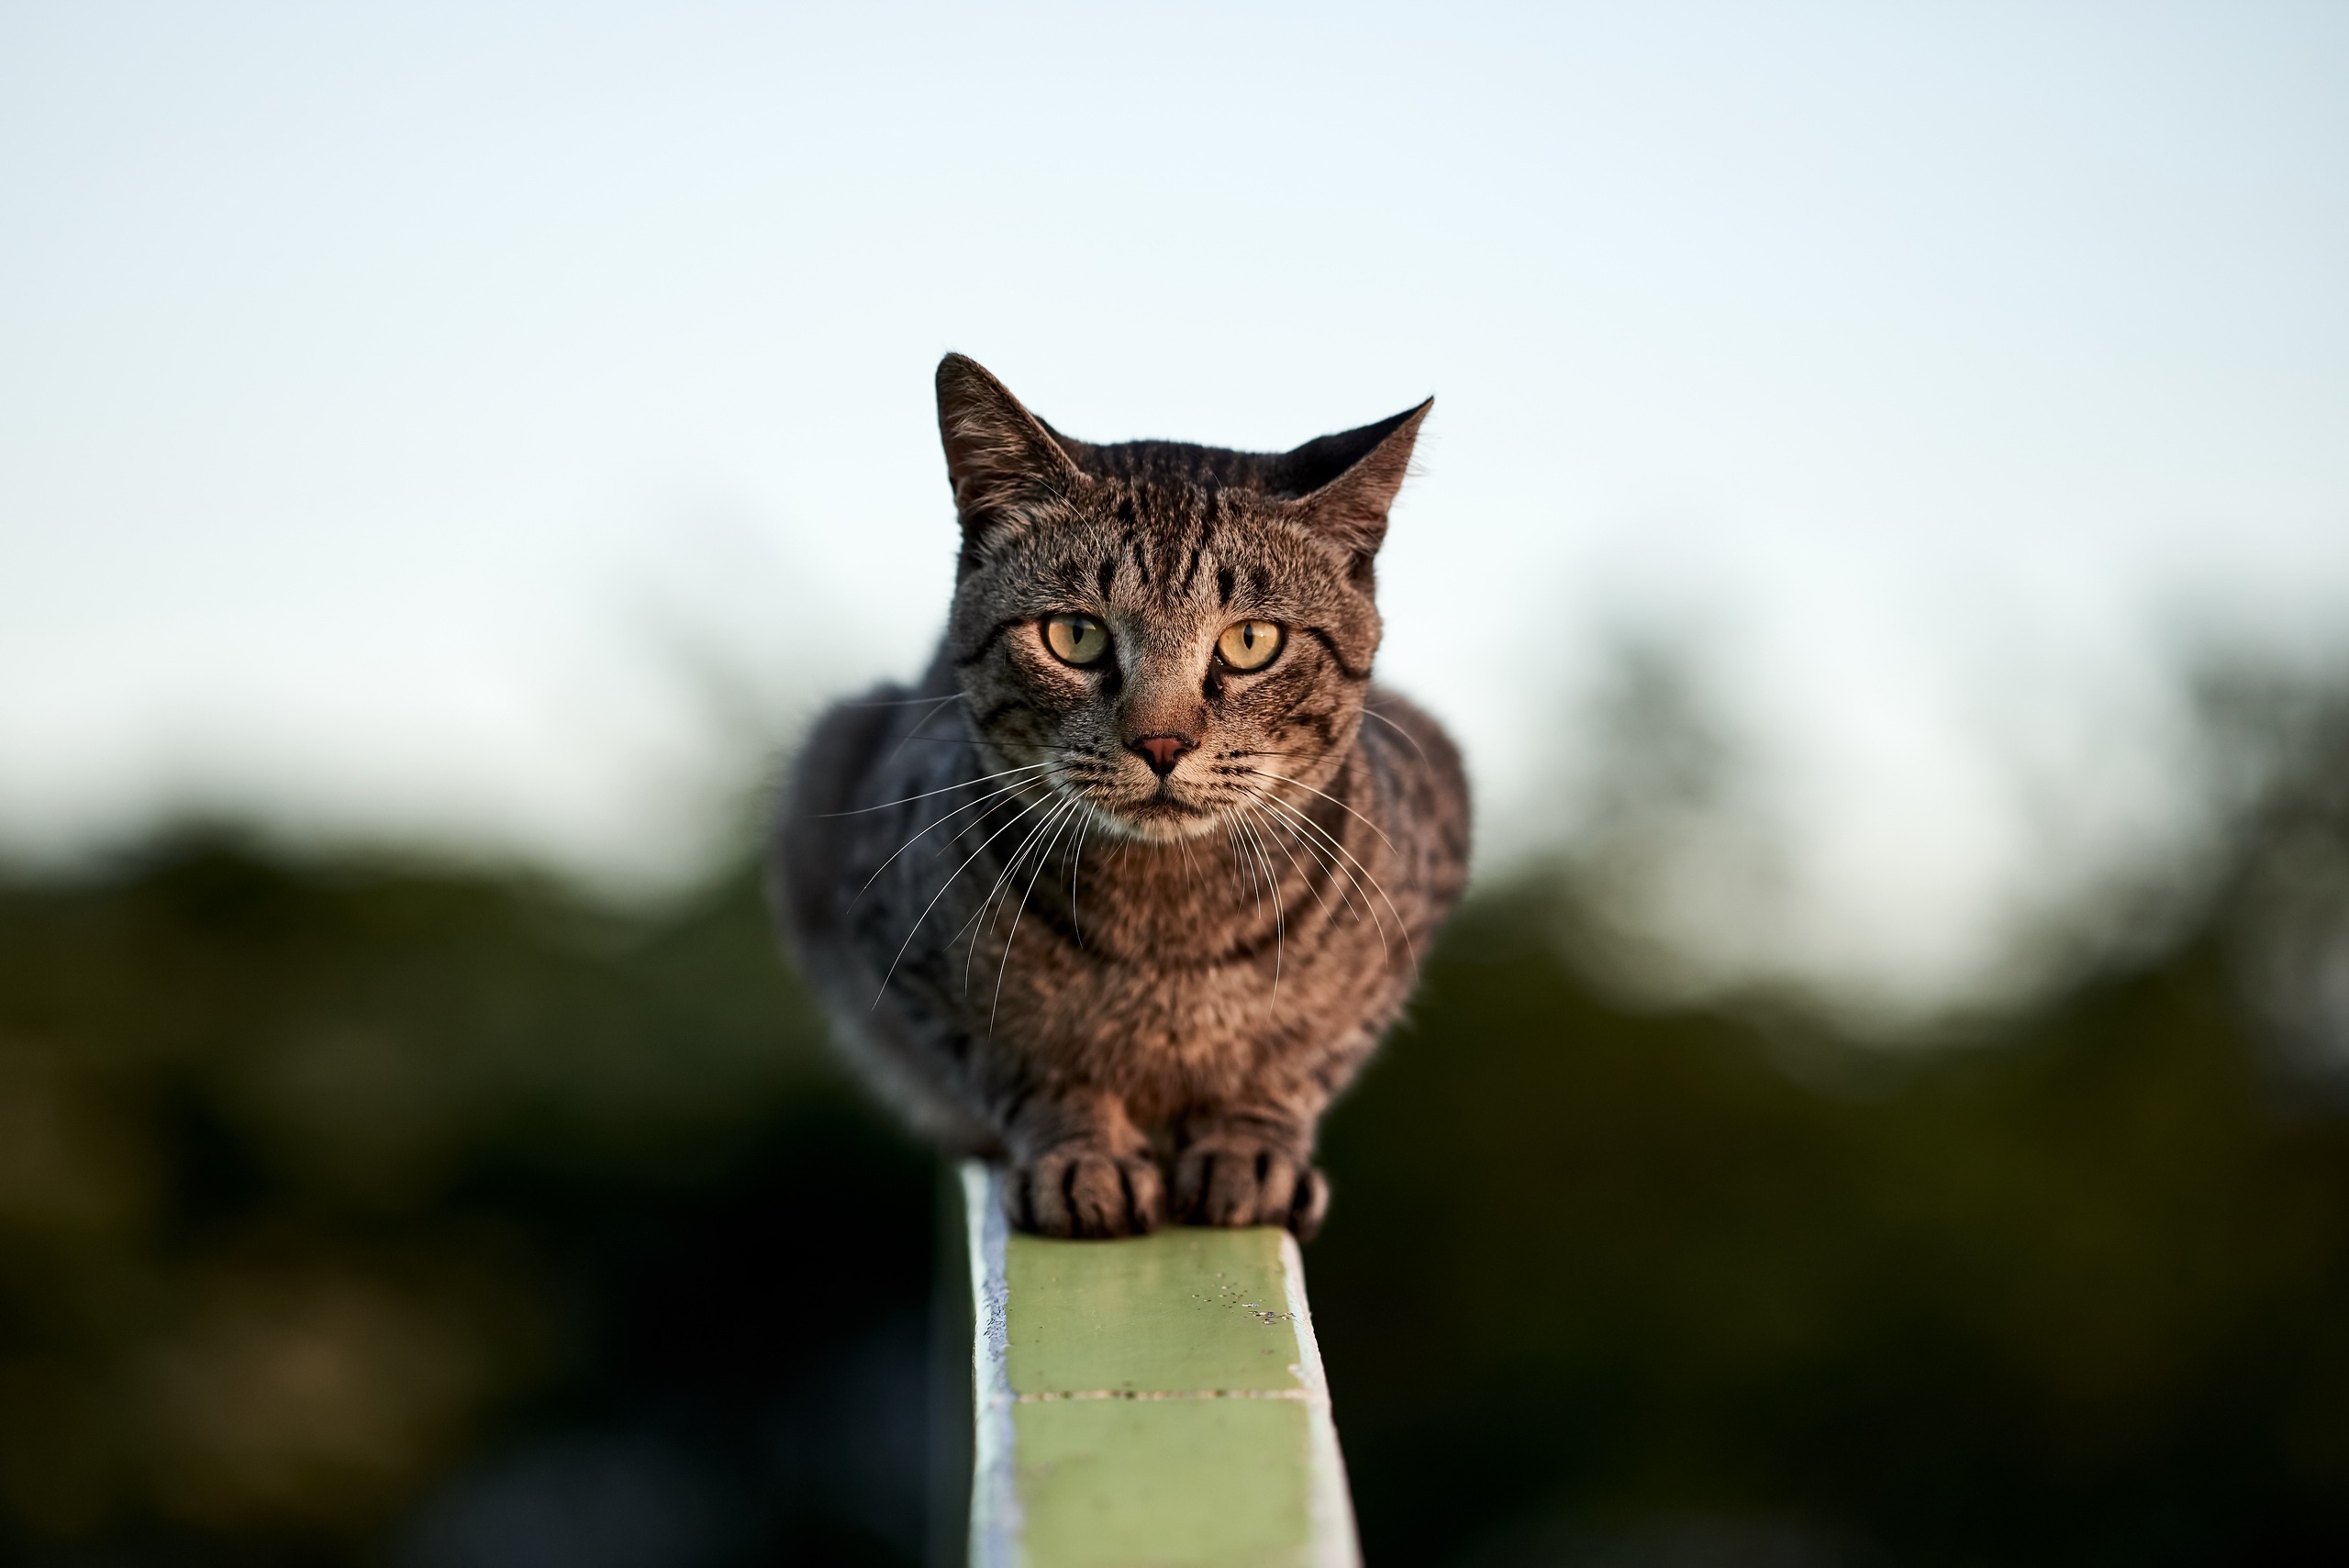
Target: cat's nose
[(1163, 751)]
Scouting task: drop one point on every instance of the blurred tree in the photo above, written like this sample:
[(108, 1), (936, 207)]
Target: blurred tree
[(1609, 1283), (319, 1182)]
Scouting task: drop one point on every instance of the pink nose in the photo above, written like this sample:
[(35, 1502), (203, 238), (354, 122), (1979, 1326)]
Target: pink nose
[(1161, 751)]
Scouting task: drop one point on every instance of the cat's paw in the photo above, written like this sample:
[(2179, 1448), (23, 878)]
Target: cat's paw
[(1244, 1181), (1086, 1193)]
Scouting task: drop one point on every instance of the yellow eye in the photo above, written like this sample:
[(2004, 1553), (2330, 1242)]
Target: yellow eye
[(1076, 639), (1249, 644)]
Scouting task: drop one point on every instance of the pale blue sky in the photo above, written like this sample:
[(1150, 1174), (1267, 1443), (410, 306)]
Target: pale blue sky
[(385, 392)]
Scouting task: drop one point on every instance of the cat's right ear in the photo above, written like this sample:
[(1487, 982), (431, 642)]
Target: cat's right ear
[(997, 454), (1345, 483)]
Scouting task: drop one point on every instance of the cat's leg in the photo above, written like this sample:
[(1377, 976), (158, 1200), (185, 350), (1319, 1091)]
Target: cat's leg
[(1251, 1164), (1080, 1167)]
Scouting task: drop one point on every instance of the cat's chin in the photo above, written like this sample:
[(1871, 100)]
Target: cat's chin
[(1156, 820)]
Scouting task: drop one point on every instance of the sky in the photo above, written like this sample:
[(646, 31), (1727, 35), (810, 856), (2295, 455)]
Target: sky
[(494, 425)]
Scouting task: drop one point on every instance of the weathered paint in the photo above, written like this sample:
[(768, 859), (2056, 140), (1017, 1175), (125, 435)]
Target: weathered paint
[(1154, 1401)]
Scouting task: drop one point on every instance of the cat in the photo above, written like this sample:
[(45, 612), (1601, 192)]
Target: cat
[(1130, 884)]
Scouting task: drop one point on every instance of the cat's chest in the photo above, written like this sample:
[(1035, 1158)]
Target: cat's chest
[(1186, 907), (1199, 966), (1181, 1026)]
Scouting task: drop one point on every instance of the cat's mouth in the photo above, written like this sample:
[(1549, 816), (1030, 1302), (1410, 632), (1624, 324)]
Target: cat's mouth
[(1161, 815), (1162, 809)]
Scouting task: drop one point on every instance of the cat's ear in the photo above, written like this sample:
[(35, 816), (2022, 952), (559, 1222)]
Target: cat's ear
[(997, 454), (1344, 483)]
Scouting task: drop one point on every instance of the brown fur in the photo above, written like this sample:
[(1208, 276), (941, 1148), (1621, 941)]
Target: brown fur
[(1142, 991)]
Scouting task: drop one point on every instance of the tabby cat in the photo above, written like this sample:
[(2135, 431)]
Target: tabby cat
[(1128, 887)]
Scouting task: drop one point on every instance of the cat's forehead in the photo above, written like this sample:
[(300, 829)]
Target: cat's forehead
[(1170, 502), (1172, 543)]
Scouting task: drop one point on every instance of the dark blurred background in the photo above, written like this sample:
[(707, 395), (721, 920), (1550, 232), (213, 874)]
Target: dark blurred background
[(1882, 542), (355, 1211)]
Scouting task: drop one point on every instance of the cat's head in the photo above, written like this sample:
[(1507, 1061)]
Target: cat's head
[(1166, 633)]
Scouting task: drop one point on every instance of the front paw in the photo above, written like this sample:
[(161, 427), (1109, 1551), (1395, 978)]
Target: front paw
[(1238, 1180), (1086, 1193)]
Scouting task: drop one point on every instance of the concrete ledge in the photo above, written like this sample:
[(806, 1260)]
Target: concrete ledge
[(1154, 1401)]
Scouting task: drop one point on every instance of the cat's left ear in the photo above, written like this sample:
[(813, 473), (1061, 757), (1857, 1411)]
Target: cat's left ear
[(998, 453), (1346, 482)]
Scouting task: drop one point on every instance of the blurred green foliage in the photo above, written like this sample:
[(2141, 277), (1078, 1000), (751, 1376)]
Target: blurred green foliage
[(2076, 1295), (317, 1180), (1609, 1283), (358, 1211)]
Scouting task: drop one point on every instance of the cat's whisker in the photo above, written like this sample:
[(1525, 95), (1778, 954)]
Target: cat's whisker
[(1264, 824), (1036, 843), (967, 829), (982, 919), (1071, 808), (944, 789), (1332, 800), (1053, 802), (1011, 865), (901, 702), (1402, 928), (976, 926), (978, 824), (943, 818), (1370, 712), (1280, 922), (1281, 911), (971, 740), (1353, 897), (1342, 879), (1240, 863), (937, 706), (1190, 866), (1075, 866), (1256, 869), (891, 972), (1004, 964)]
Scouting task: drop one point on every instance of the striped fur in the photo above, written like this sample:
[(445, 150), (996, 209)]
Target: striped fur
[(1141, 990)]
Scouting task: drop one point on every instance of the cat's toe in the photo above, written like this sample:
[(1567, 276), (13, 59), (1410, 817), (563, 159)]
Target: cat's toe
[(1242, 1182), (1086, 1193)]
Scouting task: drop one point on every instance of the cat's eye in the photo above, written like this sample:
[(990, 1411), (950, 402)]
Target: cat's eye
[(1249, 644), (1076, 639)]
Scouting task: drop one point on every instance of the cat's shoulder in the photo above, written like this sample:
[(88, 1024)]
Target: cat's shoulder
[(1395, 725), (841, 746), (1421, 769)]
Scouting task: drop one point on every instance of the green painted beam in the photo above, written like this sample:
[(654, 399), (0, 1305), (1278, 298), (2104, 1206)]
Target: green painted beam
[(1151, 1402)]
